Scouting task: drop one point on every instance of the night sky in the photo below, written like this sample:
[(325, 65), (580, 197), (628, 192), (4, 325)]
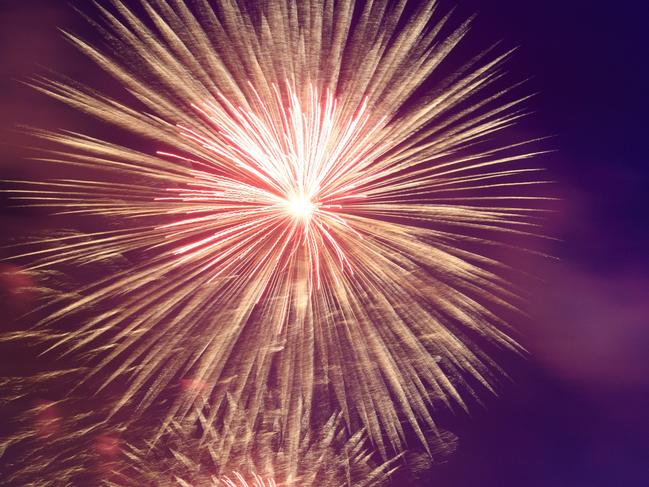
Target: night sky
[(575, 410)]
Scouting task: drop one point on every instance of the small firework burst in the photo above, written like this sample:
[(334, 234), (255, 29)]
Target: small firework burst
[(184, 457), (241, 481), (70, 442)]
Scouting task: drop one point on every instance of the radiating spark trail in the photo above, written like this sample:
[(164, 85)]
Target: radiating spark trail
[(309, 224)]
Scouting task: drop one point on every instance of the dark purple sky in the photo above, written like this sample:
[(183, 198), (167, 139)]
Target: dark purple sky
[(575, 413)]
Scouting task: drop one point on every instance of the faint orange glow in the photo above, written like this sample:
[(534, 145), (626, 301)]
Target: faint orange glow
[(48, 418), (107, 446), (15, 288), (193, 385)]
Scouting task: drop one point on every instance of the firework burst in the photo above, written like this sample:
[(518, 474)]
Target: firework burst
[(307, 226)]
